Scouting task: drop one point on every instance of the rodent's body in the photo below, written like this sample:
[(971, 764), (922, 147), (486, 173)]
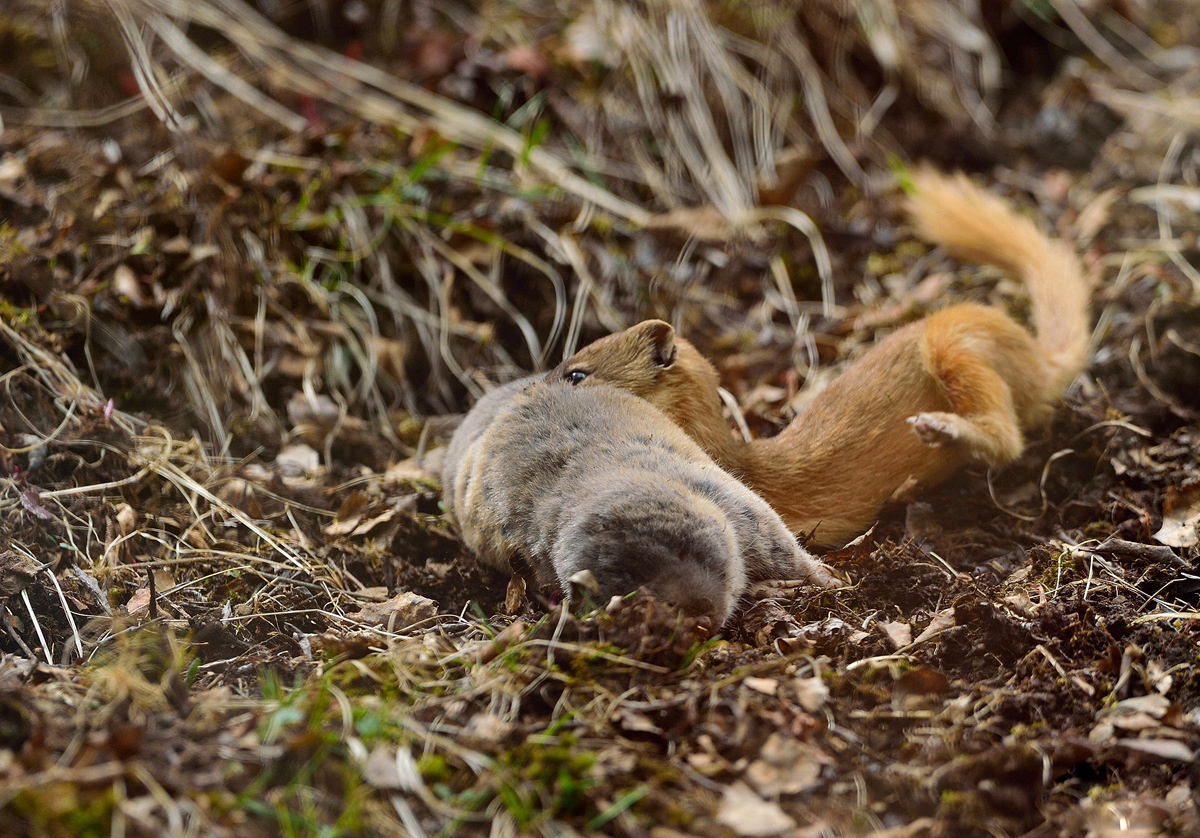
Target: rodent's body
[(597, 479), (961, 385)]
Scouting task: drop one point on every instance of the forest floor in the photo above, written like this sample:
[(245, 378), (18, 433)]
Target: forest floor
[(236, 331)]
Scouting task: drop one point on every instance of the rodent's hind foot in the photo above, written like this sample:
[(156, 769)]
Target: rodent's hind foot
[(936, 429), (810, 573)]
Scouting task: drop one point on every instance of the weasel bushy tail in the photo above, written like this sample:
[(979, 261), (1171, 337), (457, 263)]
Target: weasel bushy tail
[(951, 211)]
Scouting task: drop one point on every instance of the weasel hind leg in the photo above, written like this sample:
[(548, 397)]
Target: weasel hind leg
[(982, 422)]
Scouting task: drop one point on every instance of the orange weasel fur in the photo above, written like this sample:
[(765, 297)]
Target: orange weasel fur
[(961, 385)]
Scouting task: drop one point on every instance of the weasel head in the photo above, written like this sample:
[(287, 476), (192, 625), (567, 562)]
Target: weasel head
[(640, 360), (650, 361)]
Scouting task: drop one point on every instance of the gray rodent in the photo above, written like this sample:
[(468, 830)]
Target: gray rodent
[(596, 479)]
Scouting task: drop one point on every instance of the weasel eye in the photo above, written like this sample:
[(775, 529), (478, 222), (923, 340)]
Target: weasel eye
[(575, 376)]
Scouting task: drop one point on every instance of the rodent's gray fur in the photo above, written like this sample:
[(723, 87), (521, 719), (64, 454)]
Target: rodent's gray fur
[(597, 479)]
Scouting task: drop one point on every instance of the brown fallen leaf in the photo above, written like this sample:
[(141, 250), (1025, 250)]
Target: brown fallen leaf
[(922, 680), (747, 814), (898, 634), (1181, 518), (940, 622), (766, 686), (357, 525), (488, 728), (1164, 750), (516, 595), (401, 611), (631, 721), (139, 600), (352, 505), (812, 693), (786, 766)]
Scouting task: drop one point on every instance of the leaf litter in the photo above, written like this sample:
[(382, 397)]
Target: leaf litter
[(249, 280)]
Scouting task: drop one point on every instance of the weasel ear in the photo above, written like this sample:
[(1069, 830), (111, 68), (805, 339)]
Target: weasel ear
[(662, 341)]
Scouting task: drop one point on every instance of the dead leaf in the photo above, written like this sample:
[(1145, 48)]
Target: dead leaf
[(16, 572), (198, 254), (176, 246), (763, 398), (139, 600), (229, 166), (348, 514), (530, 60), (390, 355), (488, 728), (1155, 706), (126, 284), (940, 622), (1181, 518), (792, 166), (631, 721), (786, 766), (1166, 750), (898, 634), (1141, 817), (297, 459), (587, 43), (411, 469), (106, 201), (1135, 722), (1020, 603), (241, 494), (747, 814), (516, 595), (766, 686), (126, 518), (357, 526), (922, 680), (346, 644), (11, 170), (380, 770), (511, 634), (812, 693), (401, 611), (1160, 679), (319, 410), (31, 500)]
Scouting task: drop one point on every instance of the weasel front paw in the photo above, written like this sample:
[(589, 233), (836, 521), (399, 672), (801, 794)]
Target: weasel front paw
[(935, 429)]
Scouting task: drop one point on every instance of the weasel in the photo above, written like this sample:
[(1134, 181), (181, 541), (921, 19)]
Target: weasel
[(597, 479), (963, 384)]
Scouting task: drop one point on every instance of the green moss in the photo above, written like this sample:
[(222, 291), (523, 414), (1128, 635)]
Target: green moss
[(953, 801), (434, 769), (546, 779), (59, 808)]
